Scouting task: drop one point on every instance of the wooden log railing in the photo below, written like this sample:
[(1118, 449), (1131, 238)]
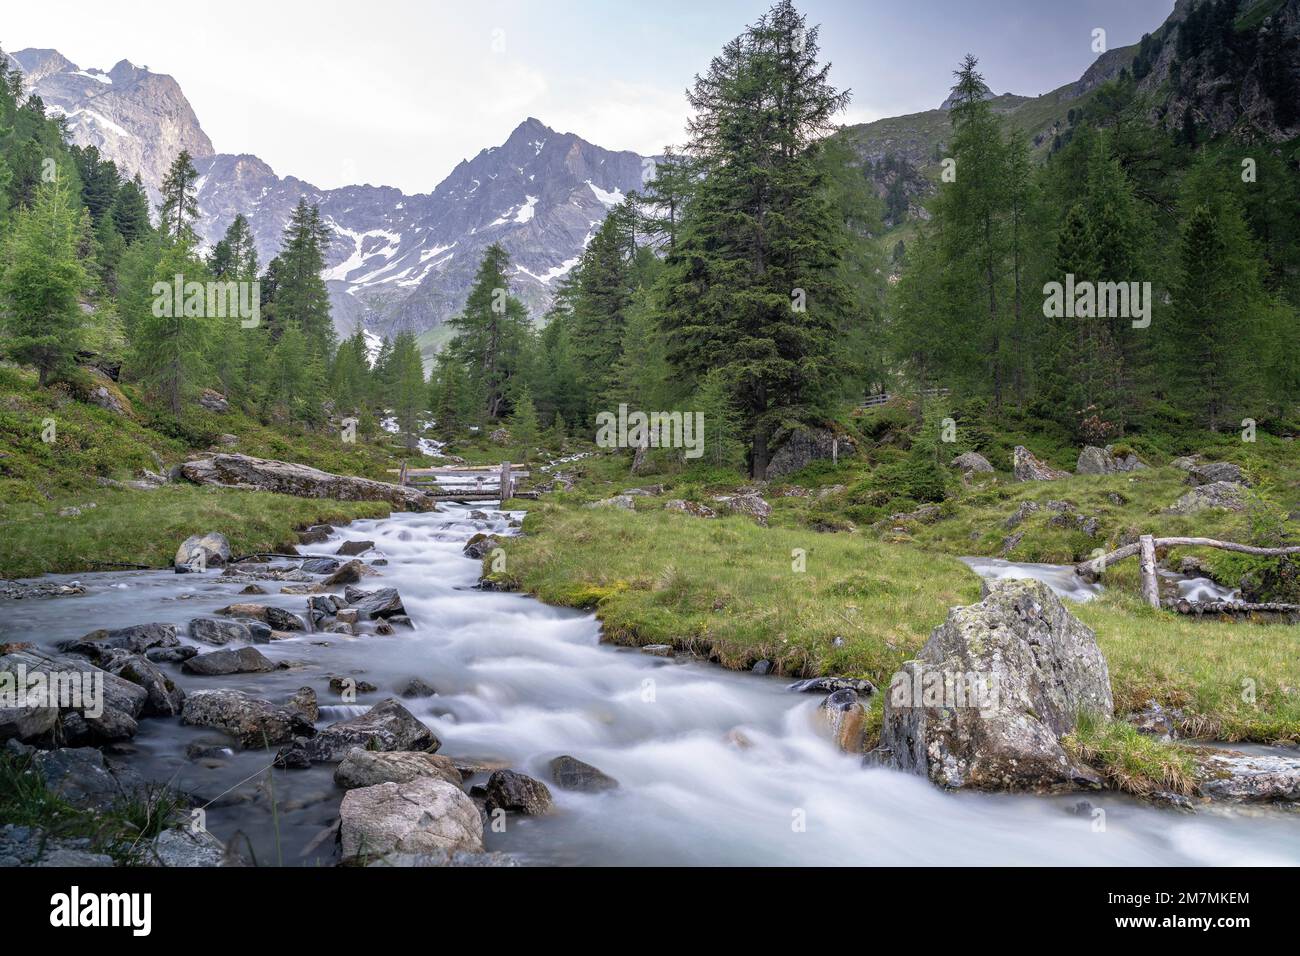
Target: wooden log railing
[(1146, 547), (480, 482)]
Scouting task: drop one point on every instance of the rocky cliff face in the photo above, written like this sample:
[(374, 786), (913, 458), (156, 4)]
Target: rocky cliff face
[(140, 120), (397, 261), (1234, 66)]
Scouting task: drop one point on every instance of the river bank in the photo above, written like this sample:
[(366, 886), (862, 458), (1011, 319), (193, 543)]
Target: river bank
[(714, 766)]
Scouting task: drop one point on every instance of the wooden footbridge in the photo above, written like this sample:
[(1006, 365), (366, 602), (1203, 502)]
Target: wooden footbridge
[(1145, 550), (464, 482)]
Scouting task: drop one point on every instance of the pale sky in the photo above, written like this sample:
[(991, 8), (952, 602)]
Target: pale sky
[(396, 92)]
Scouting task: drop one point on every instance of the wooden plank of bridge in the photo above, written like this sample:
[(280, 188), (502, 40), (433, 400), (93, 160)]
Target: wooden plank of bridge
[(1150, 583)]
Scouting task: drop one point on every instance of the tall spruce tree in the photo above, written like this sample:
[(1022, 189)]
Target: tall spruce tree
[(41, 282), (180, 205), (752, 284), (490, 332)]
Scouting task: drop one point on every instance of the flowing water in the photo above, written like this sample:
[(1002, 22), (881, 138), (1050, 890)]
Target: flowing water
[(716, 767)]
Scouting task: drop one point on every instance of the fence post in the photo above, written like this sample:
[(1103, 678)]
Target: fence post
[(1147, 559), (403, 476), (507, 482)]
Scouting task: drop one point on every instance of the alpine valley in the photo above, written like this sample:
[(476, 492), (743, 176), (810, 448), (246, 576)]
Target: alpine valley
[(397, 262)]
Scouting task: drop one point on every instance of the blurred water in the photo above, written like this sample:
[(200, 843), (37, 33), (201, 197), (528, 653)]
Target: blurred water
[(716, 767)]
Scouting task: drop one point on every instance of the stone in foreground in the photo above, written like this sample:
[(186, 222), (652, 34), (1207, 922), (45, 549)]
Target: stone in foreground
[(988, 699), (422, 816)]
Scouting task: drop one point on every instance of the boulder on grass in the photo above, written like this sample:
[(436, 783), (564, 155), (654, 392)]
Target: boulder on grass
[(1026, 467), (212, 549), (1224, 495), (989, 697), (1216, 471), (804, 446), (1105, 461), (972, 463)]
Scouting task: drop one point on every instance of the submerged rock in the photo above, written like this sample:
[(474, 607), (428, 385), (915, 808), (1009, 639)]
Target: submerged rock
[(844, 716), (1253, 778), (387, 726), (245, 660), (370, 605), (829, 685), (481, 545), (211, 630), (426, 815), (252, 721), (353, 548), (515, 792), (137, 639), (570, 773), (994, 689)]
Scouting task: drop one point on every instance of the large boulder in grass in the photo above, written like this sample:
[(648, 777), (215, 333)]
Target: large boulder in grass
[(211, 550), (1026, 467), (1106, 461), (805, 445), (290, 478), (986, 702), (1222, 495), (424, 815), (972, 463), (1208, 473), (746, 503)]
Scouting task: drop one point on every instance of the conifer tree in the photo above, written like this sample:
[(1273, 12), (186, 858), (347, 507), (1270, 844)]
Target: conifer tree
[(40, 285), (180, 206), (752, 284), (490, 332)]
